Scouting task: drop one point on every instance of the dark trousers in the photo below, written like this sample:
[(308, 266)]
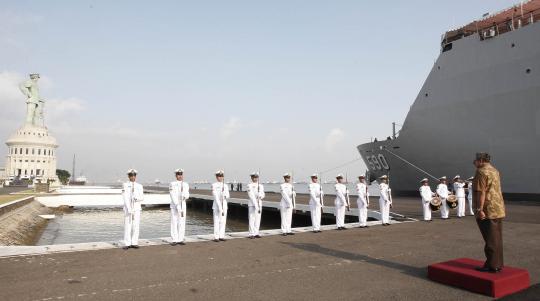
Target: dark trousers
[(491, 230)]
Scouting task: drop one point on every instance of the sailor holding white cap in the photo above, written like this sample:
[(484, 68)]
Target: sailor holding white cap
[(256, 194), (132, 193), (288, 196), (427, 195), (470, 194), (459, 190), (179, 192), (220, 192), (442, 192), (316, 202), (341, 202), (385, 200), (363, 201)]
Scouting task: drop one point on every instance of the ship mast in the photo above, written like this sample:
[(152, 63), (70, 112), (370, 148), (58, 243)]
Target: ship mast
[(73, 170)]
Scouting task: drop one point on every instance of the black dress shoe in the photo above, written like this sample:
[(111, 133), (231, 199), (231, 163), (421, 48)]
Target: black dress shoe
[(343, 228), (222, 239), (125, 247), (173, 243), (283, 234), (135, 246), (216, 240), (251, 237), (290, 233), (257, 236), (319, 231), (482, 269), (181, 243)]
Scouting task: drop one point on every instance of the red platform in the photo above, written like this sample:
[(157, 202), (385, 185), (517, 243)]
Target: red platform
[(461, 273)]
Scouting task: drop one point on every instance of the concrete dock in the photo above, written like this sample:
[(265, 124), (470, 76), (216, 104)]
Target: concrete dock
[(377, 263)]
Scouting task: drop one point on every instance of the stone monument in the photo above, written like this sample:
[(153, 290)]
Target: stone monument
[(31, 149)]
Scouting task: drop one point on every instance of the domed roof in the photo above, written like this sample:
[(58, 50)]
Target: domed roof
[(32, 135)]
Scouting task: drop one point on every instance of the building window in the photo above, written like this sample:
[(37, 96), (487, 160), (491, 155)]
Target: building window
[(27, 151), (20, 150), (15, 151), (32, 151), (39, 152)]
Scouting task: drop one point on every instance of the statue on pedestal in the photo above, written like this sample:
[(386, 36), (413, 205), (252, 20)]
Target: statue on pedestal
[(34, 104)]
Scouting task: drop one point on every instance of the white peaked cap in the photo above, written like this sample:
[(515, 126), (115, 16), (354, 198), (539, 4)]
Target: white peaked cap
[(254, 174), (362, 176), (442, 178), (220, 172), (339, 176), (424, 180), (470, 179), (383, 177), (314, 175), (179, 170), (457, 177), (131, 170), (286, 175)]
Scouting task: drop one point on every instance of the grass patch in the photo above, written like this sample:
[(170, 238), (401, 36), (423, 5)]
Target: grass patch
[(9, 198)]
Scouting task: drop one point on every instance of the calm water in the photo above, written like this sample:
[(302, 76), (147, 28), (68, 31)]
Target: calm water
[(107, 224)]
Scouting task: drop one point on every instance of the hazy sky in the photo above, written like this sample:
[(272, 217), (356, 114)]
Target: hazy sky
[(274, 86)]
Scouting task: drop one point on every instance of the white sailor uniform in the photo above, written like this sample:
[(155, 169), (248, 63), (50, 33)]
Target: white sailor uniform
[(384, 202), (179, 193), (362, 202), (459, 190), (287, 206), (133, 195), (442, 192), (220, 192), (340, 204), (427, 195), (256, 195), (316, 196)]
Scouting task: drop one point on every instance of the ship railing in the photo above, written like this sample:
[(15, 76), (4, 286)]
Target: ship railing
[(491, 31)]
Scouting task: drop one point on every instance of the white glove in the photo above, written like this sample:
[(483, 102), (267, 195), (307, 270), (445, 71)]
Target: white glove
[(179, 208)]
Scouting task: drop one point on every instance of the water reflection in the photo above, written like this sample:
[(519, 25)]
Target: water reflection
[(106, 224)]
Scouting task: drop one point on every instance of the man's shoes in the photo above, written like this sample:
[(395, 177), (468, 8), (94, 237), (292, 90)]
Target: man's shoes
[(216, 240), (290, 233), (343, 228), (135, 246), (283, 234), (257, 236), (174, 243), (251, 237), (125, 247), (488, 269), (181, 243), (222, 239)]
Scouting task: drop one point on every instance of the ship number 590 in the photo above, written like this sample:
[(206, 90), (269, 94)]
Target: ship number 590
[(377, 162)]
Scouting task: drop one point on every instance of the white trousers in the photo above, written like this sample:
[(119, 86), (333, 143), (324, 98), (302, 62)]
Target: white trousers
[(220, 221), (469, 201), (445, 210), (385, 211), (340, 216), (178, 225), (254, 221), (131, 228), (362, 213), (461, 207), (286, 219), (315, 217), (427, 210)]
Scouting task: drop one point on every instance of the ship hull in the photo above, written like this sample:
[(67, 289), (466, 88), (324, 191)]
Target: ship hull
[(482, 96)]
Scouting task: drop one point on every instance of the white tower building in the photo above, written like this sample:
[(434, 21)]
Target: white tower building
[(32, 150)]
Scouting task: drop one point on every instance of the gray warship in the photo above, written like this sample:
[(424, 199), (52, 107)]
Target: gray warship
[(481, 95)]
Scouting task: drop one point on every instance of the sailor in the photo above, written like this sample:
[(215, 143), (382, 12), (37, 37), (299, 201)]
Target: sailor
[(256, 195), (179, 192), (220, 192), (427, 195), (442, 192), (385, 200), (470, 193), (316, 202), (363, 201), (287, 204), (459, 191), (132, 193), (341, 202)]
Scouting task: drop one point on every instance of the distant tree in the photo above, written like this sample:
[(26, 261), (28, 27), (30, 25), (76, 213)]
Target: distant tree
[(63, 176)]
